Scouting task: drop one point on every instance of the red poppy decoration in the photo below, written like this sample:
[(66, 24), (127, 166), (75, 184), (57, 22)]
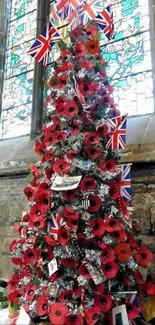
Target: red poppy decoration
[(146, 289), (58, 313), (36, 212), (119, 235), (34, 171), (30, 290), (70, 213), (88, 88), (97, 227), (144, 257), (74, 319), (111, 224), (39, 147), (71, 154), (107, 255), (86, 65), (61, 166), (70, 262), (30, 256), (64, 236), (108, 166), (69, 195), (95, 203), (91, 30), (84, 271), (14, 297), (29, 193), (71, 109), (48, 139), (113, 190), (97, 288), (42, 307), (49, 172), (80, 50), (50, 241), (74, 127), (104, 302), (92, 315), (13, 282), (48, 156), (110, 269), (17, 260), (93, 152), (123, 252), (87, 184), (102, 130), (132, 311), (59, 136), (91, 138), (38, 224), (73, 224), (66, 295)]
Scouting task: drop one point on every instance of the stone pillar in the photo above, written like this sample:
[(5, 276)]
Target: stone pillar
[(3, 33), (39, 72)]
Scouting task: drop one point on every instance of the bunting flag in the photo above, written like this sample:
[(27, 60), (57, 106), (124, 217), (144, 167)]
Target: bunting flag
[(105, 22), (55, 224), (125, 185), (43, 45), (117, 133), (89, 10), (65, 8)]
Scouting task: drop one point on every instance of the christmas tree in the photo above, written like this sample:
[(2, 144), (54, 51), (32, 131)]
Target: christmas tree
[(77, 257)]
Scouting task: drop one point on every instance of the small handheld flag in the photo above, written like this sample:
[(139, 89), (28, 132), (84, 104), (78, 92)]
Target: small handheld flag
[(117, 133)]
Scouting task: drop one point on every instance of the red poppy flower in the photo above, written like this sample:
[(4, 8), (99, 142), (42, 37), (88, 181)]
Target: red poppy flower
[(39, 147), (64, 53), (48, 139), (69, 261), (99, 242), (63, 80), (34, 171), (80, 50), (104, 302), (44, 186), (84, 271), (61, 166), (107, 254), (119, 235), (86, 65), (29, 193), (69, 195), (97, 288), (60, 110), (25, 218), (96, 226), (74, 319), (70, 213), (43, 306), (71, 154), (146, 289), (95, 203), (114, 190), (92, 315), (74, 127), (66, 295), (102, 130), (71, 109), (49, 172), (93, 153), (30, 256), (65, 66), (88, 88), (64, 236), (123, 252), (30, 290), (110, 269), (143, 256), (36, 212), (108, 166), (55, 124), (48, 156), (132, 311), (111, 224), (58, 313), (43, 198), (16, 243), (38, 224), (91, 138), (91, 30), (17, 260), (59, 136), (138, 277), (14, 297), (93, 47), (13, 282), (87, 184), (73, 224), (50, 241)]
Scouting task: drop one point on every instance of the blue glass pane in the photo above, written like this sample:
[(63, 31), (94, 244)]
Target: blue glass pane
[(22, 7)]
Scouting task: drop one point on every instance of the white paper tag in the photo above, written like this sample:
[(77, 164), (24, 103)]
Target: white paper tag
[(65, 183), (119, 315), (52, 266), (82, 164)]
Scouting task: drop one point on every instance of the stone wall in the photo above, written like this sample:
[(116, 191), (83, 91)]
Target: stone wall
[(13, 202)]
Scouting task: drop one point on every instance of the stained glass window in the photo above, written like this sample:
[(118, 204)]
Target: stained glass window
[(129, 57), (19, 66)]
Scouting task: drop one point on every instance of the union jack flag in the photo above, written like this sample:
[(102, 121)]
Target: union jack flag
[(125, 181), (66, 7), (117, 133), (55, 224), (42, 46), (105, 22), (89, 10)]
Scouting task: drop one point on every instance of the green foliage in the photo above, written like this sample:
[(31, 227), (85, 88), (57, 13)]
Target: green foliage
[(29, 178)]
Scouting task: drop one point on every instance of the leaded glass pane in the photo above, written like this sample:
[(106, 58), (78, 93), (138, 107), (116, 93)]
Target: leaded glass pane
[(22, 7)]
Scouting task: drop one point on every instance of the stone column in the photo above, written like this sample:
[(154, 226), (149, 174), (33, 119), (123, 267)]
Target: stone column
[(3, 33), (39, 72)]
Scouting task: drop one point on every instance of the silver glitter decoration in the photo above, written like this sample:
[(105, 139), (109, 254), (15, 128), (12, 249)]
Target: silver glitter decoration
[(132, 265), (82, 281), (104, 190), (110, 241)]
